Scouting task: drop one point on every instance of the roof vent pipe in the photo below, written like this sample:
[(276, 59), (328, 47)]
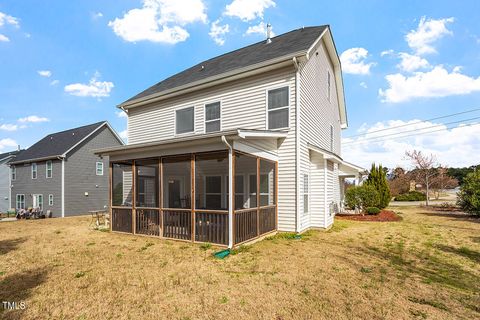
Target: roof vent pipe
[(269, 33)]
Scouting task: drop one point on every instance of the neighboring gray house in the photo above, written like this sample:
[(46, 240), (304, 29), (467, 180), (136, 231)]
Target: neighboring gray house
[(61, 174), (264, 121), (5, 196)]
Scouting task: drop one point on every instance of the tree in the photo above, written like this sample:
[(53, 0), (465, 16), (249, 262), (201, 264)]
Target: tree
[(399, 182), (424, 164), (442, 181), (377, 178), (469, 195)]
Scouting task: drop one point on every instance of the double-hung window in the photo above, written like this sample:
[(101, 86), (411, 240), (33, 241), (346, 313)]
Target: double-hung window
[(14, 173), (277, 108), (212, 117), (20, 201), (99, 168), (332, 136), (34, 171), (50, 200), (329, 85), (49, 170), (184, 120)]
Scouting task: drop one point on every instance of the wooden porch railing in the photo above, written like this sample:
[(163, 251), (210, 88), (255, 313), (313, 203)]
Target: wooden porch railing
[(177, 224), (267, 219), (122, 219), (211, 227), (148, 222)]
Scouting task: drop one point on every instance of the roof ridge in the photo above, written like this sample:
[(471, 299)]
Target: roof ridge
[(76, 128)]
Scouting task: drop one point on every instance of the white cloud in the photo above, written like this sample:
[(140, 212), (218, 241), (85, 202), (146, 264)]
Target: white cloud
[(45, 73), (97, 15), (54, 82), (428, 31), (8, 127), (7, 19), (4, 38), (363, 85), (386, 52), (159, 21), (124, 134), (33, 119), (94, 88), (260, 29), (453, 147), (248, 10), (121, 114), (353, 61), (435, 83), (217, 32), (7, 142), (411, 63)]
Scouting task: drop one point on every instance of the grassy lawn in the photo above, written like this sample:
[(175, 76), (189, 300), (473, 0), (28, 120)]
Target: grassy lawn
[(426, 266)]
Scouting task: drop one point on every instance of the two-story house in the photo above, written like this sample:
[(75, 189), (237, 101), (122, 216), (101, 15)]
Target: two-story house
[(60, 173), (263, 121), (5, 183)]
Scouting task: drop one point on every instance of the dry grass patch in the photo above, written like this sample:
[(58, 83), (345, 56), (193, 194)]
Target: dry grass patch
[(425, 266)]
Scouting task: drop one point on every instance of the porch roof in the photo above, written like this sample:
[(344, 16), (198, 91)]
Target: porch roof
[(185, 141), (346, 169)]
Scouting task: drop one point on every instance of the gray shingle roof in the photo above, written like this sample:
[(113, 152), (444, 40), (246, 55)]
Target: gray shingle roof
[(282, 45), (57, 144), (7, 154)]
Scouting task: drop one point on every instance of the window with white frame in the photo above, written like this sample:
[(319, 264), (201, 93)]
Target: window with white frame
[(305, 193), (20, 201), (34, 171), (277, 108), (13, 170), (328, 85), (50, 200), (99, 168), (212, 117), (184, 120), (332, 138), (49, 170)]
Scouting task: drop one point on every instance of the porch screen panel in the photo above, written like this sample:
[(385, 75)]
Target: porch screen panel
[(177, 183), (147, 184), (122, 182), (246, 166), (267, 183), (210, 185)]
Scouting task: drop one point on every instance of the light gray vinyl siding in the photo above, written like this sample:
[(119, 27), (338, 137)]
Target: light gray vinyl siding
[(4, 186), (317, 193), (81, 177), (24, 184), (330, 192), (243, 106)]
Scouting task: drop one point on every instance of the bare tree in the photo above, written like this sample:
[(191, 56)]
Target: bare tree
[(425, 167), (442, 181)]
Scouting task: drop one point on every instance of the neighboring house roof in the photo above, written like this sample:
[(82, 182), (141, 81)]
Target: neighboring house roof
[(291, 42), (58, 144), (9, 155)]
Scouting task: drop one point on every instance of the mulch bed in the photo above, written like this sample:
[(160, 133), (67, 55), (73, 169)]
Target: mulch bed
[(383, 216)]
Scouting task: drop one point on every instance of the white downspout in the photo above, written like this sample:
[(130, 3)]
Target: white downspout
[(230, 193), (63, 188), (297, 145), (10, 189), (325, 184)]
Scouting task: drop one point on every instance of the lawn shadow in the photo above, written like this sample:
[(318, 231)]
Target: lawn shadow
[(463, 251), (476, 239), (454, 215), (10, 244), (18, 288)]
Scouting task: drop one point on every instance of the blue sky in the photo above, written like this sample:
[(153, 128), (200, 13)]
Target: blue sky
[(65, 64)]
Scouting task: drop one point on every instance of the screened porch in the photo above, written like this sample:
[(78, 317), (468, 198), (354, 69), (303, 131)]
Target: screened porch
[(187, 197)]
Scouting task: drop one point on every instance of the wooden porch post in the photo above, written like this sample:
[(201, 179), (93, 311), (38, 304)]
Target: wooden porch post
[(192, 201), (258, 196), (160, 195), (231, 196), (134, 197)]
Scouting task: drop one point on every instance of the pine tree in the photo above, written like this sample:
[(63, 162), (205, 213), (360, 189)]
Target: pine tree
[(378, 179)]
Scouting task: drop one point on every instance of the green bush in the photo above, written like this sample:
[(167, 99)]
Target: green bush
[(372, 210), (469, 195), (377, 178), (362, 197), (411, 196)]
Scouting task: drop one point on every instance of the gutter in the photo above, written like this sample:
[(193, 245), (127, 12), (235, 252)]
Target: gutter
[(231, 195), (59, 157)]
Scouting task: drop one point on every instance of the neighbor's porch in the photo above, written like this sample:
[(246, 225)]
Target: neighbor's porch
[(187, 197)]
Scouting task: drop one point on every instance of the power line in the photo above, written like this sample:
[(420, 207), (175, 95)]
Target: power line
[(407, 131), (416, 122), (415, 134)]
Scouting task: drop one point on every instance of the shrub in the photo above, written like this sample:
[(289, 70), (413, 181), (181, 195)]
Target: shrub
[(362, 197), (372, 210), (378, 179), (469, 195), (411, 196)]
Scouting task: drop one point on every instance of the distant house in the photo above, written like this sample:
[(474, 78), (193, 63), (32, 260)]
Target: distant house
[(238, 146), (61, 174), (5, 159)]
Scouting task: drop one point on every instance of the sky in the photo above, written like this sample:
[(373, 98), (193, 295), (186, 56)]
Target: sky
[(407, 65)]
